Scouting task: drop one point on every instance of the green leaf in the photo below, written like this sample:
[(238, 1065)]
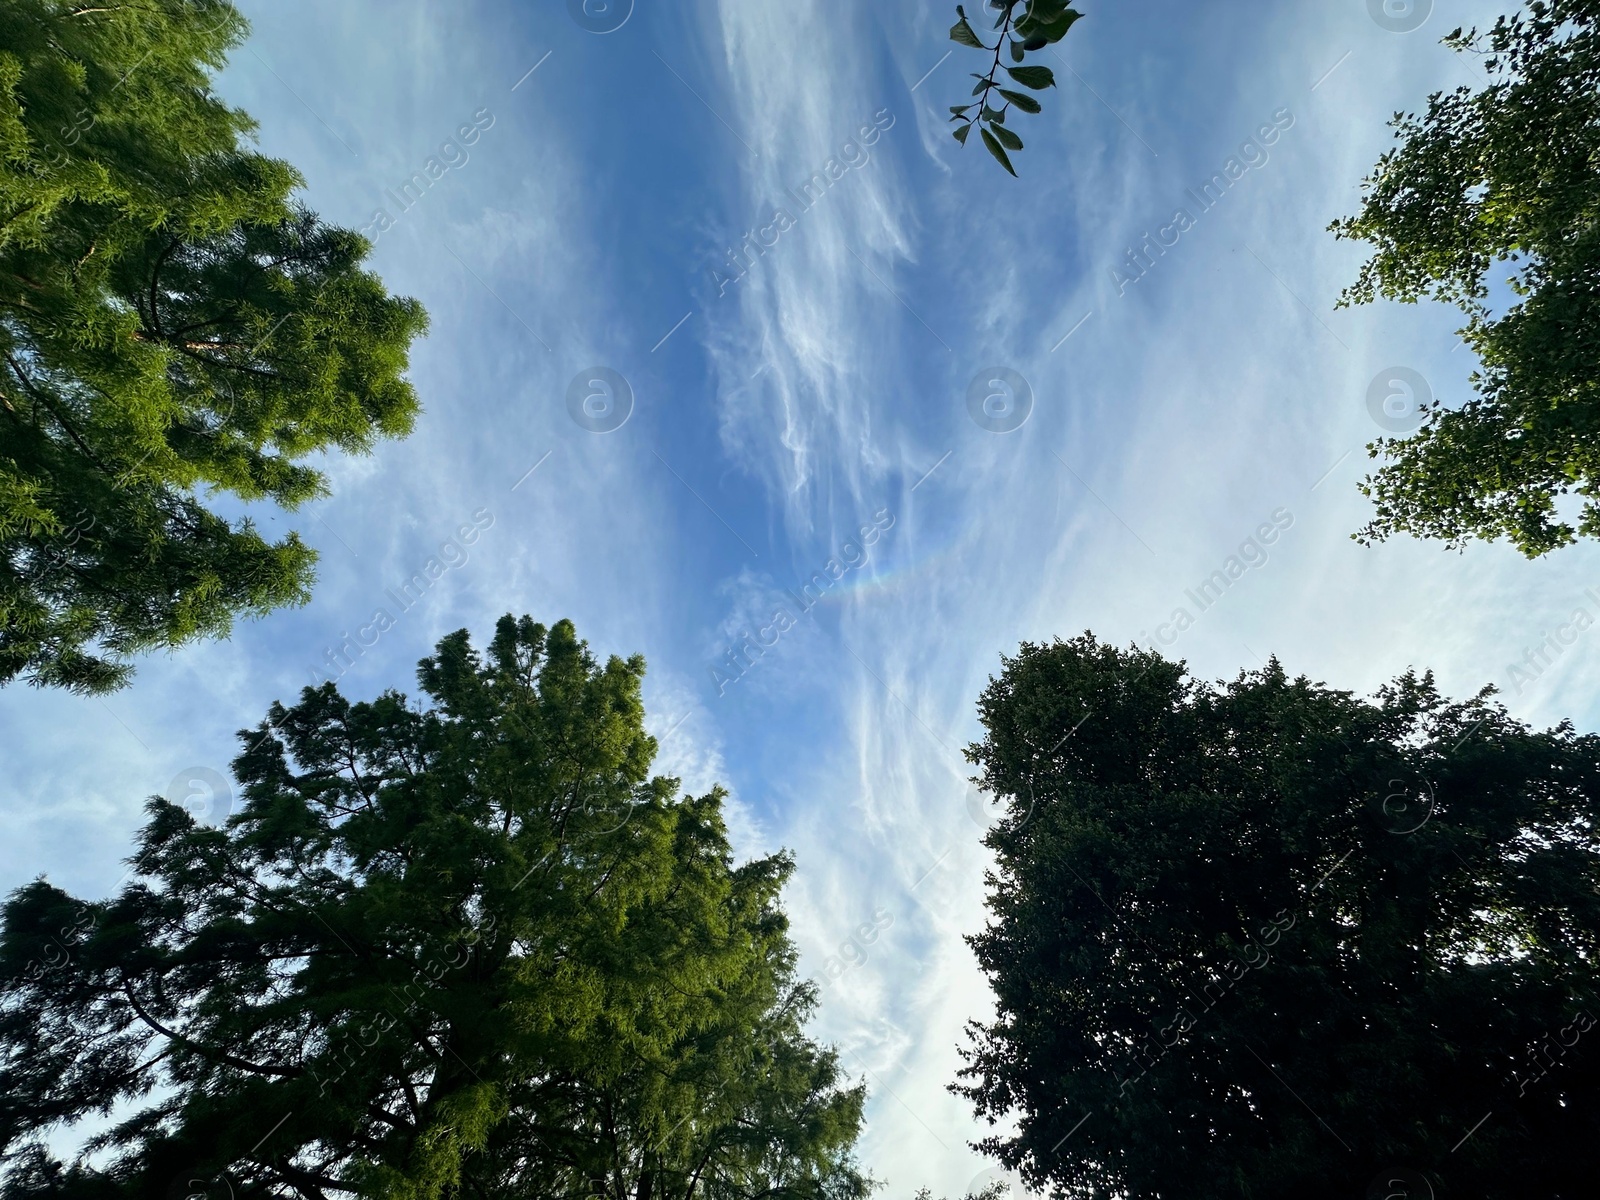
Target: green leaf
[(990, 114), (980, 85), (1037, 78), (1057, 29), (961, 134), (961, 33), (1016, 51), (1037, 42), (959, 108), (1021, 99), (996, 150), (1007, 139)]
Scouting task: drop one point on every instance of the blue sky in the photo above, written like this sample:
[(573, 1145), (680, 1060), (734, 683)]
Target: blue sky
[(773, 417)]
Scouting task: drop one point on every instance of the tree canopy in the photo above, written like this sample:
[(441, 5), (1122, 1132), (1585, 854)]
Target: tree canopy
[(472, 948), (174, 324), (1505, 179), (1272, 939)]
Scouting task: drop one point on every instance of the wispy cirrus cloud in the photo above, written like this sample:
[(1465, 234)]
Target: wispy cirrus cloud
[(829, 381)]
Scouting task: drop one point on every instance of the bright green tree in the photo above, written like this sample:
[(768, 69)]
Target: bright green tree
[(1271, 939), (174, 325), (1499, 183), (468, 949)]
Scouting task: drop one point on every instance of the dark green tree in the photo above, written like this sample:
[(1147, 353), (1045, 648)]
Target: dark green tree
[(994, 1191), (468, 949), (1271, 939), (1021, 27), (1503, 182), (174, 326)]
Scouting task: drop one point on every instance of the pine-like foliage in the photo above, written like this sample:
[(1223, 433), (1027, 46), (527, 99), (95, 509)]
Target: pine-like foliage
[(1271, 939), (173, 324), (467, 950)]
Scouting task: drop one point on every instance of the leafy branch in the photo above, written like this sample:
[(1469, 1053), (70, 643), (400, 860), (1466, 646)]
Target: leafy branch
[(1042, 22)]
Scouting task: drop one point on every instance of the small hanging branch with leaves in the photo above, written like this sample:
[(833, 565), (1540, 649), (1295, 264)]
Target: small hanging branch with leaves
[(1041, 23)]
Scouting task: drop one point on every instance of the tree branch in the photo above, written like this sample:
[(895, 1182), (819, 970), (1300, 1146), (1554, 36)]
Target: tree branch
[(55, 412), (225, 366), (220, 1055)]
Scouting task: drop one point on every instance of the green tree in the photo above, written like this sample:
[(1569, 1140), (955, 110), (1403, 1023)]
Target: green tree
[(174, 325), (1504, 179), (1271, 939), (1040, 24), (998, 1190), (468, 949)]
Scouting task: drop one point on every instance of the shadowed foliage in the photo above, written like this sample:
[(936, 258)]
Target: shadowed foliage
[(1271, 939), (1021, 27)]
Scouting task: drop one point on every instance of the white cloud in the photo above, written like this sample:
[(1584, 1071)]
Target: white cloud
[(1187, 411), (1164, 431), (809, 423)]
